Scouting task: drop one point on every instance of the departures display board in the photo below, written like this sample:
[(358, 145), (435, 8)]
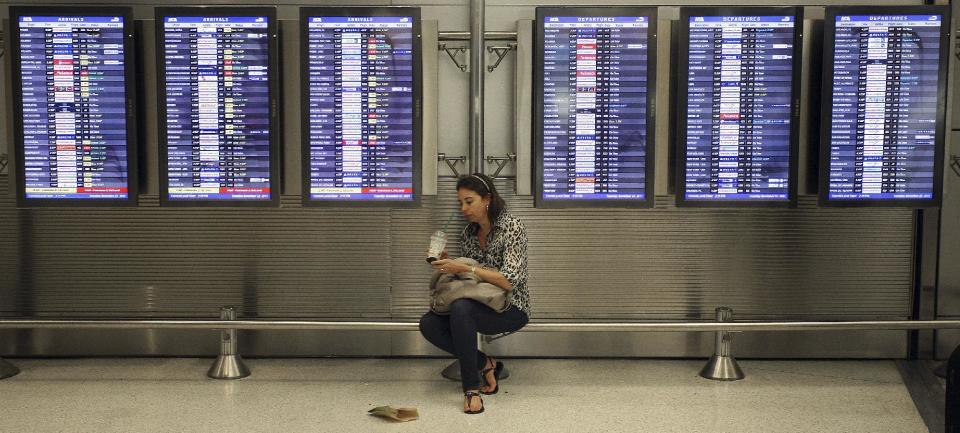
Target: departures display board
[(593, 108), (361, 93), (884, 99), (219, 125), (738, 102), (73, 103)]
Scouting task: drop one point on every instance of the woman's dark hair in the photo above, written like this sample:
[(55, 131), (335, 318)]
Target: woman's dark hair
[(483, 186)]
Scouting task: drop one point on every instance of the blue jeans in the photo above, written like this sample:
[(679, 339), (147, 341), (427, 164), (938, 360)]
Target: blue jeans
[(456, 333)]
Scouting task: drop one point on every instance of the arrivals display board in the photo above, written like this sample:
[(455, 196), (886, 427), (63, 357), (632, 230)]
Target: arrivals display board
[(219, 119), (361, 93), (73, 102)]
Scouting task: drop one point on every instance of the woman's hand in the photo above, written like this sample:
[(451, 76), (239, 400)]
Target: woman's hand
[(443, 255), (447, 266)]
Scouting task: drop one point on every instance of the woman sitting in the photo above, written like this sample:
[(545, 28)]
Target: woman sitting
[(498, 241)]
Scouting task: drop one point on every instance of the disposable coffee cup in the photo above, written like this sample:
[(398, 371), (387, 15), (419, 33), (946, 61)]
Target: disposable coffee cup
[(438, 240)]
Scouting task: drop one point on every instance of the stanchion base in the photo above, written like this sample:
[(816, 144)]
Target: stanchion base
[(452, 372), (228, 367), (721, 368), (7, 369)]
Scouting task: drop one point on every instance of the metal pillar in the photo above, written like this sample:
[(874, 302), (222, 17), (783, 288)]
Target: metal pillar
[(228, 364), (475, 159), (7, 369), (477, 69), (721, 365)]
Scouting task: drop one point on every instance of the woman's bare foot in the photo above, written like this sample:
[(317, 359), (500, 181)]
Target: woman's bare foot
[(472, 402), (490, 377)]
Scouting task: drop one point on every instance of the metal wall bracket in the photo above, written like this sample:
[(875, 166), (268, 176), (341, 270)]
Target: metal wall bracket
[(501, 52), (452, 162), (453, 52), (501, 162), (955, 164)]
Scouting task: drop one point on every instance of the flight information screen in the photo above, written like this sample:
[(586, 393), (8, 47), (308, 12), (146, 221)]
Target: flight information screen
[(884, 107), (596, 90), (73, 96), (738, 123), (216, 84), (361, 120)]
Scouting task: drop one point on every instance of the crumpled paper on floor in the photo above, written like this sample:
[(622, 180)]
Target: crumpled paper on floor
[(395, 413)]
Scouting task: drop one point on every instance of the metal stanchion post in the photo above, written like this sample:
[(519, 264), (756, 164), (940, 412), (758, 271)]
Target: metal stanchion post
[(7, 369), (721, 365), (228, 364), (952, 406)]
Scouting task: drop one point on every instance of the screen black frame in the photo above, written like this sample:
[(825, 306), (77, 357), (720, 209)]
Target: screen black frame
[(305, 14), (681, 104), (273, 78), (829, 35), (538, 58), (133, 176)]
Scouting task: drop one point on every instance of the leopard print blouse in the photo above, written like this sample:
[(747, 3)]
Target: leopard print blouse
[(506, 251)]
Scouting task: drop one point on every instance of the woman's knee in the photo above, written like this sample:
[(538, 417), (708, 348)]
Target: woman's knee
[(462, 307), (428, 324)]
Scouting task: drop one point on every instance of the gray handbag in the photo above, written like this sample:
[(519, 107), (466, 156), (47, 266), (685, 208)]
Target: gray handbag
[(446, 288)]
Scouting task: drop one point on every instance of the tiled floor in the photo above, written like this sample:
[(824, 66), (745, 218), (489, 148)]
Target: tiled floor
[(333, 395)]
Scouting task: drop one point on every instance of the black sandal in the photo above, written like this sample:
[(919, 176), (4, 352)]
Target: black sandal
[(497, 370), (470, 395)]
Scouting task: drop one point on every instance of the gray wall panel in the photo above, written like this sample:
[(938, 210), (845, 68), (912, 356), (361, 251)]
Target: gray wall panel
[(588, 264), (670, 263), (188, 262)]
